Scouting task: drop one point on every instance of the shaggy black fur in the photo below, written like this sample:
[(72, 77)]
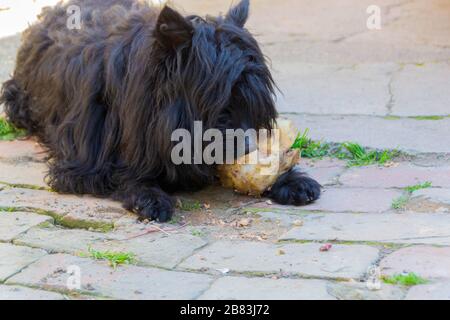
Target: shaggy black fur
[(104, 100)]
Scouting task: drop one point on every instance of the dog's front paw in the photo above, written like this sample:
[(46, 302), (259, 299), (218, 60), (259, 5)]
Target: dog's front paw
[(159, 210), (150, 203), (295, 188)]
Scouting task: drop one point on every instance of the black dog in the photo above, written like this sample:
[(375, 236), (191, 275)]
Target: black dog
[(105, 99)]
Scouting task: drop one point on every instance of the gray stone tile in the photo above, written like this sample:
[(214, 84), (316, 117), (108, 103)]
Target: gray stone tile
[(15, 258), (345, 200), (408, 228), (425, 261), (58, 240), (408, 135), (399, 176), (125, 282), (421, 89), (156, 250), (240, 288), (359, 291), (435, 291), (24, 173), (23, 293), (12, 224), (300, 259), (70, 210)]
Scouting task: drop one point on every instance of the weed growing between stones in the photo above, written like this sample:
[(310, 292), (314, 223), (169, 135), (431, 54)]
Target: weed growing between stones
[(355, 154), (425, 185), (8, 132), (114, 258), (401, 202), (197, 233), (409, 280), (184, 205)]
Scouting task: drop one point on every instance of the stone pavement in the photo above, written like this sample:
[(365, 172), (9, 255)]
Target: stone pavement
[(224, 246), (382, 89)]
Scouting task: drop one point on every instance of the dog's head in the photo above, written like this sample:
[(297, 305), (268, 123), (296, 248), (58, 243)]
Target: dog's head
[(215, 70)]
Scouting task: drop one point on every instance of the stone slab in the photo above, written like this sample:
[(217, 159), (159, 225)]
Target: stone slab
[(240, 288), (160, 250), (299, 259), (57, 240), (408, 228), (435, 291), (400, 176), (24, 173), (125, 282), (410, 135), (425, 261), (23, 293), (15, 258), (12, 224)]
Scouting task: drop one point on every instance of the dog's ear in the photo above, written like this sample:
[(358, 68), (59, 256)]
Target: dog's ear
[(172, 29), (239, 13)]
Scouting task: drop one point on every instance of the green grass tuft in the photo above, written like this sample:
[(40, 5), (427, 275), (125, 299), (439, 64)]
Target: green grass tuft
[(197, 233), (114, 258), (9, 132), (430, 118), (190, 205), (355, 154), (309, 148), (425, 185), (410, 279), (358, 156), (400, 202)]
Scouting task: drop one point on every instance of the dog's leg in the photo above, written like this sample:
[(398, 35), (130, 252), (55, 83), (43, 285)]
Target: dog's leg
[(294, 188), (149, 202)]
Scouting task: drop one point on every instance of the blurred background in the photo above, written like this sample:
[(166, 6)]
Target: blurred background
[(337, 77)]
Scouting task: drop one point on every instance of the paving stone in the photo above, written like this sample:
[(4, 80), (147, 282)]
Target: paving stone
[(322, 163), (17, 259), (325, 176), (281, 218), (405, 228), (400, 176), (344, 200), (301, 259), (23, 293), (359, 291), (23, 173), (434, 195), (156, 250), (21, 150), (426, 261), (427, 94), (331, 89), (57, 240), (12, 224), (435, 291), (240, 288), (125, 282), (70, 210), (409, 135)]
